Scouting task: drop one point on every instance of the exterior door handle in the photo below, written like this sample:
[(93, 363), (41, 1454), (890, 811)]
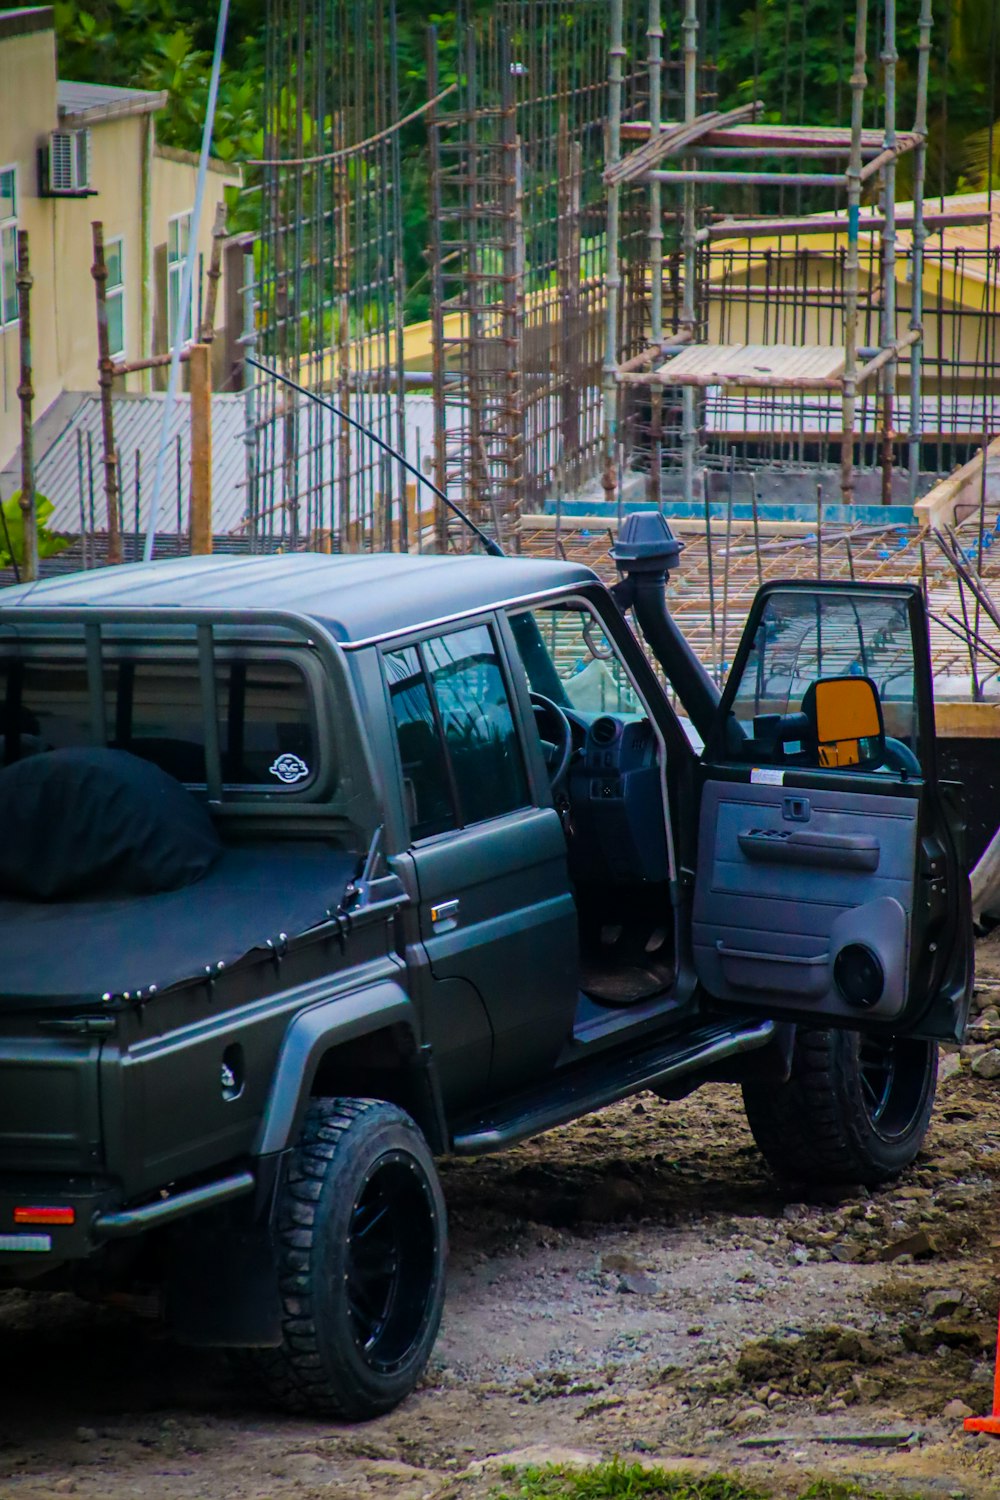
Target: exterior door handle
[(445, 911)]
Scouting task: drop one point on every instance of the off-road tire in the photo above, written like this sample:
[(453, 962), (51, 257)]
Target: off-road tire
[(834, 1121), (361, 1168)]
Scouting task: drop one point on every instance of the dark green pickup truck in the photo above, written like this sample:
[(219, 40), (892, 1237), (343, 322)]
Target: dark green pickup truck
[(316, 867)]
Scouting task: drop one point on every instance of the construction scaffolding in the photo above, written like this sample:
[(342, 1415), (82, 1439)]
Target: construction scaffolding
[(684, 156), (796, 338), (328, 283)]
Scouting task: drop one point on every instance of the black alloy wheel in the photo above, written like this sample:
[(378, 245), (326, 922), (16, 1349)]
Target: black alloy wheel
[(854, 1109), (892, 1072), (390, 1261), (362, 1248)]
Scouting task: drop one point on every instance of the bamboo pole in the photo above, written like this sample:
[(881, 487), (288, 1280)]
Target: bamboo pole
[(851, 264), (201, 449), (105, 378), (26, 395)]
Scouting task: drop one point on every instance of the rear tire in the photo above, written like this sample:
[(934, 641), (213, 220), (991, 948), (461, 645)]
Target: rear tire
[(362, 1246), (855, 1109)]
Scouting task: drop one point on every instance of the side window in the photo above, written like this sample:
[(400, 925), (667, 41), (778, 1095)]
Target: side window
[(457, 738), (568, 657), (803, 638), (427, 785), (478, 723)]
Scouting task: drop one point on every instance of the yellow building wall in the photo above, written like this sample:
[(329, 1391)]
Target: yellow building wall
[(27, 114), (116, 173), (174, 179), (763, 304)]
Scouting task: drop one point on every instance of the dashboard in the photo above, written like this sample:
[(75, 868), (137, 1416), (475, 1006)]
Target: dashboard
[(616, 801)]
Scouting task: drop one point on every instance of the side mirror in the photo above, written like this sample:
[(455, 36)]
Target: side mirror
[(849, 727)]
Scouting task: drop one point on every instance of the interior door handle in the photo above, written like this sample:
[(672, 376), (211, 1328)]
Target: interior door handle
[(828, 851), (445, 911)]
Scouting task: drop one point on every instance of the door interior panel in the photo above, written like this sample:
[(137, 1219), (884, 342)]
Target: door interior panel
[(790, 881)]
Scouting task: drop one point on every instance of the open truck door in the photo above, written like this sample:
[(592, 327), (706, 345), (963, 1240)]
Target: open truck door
[(831, 885)]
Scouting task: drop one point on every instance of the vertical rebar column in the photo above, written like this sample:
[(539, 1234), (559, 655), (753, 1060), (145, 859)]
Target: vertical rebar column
[(851, 264), (612, 278), (249, 342), (654, 33), (888, 330), (437, 294), (918, 240), (689, 241), (26, 394)]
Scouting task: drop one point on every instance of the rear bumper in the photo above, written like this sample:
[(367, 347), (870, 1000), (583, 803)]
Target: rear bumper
[(31, 1248), (35, 1235)]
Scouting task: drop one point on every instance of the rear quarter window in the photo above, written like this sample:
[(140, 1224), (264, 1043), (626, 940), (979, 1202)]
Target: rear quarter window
[(265, 711)]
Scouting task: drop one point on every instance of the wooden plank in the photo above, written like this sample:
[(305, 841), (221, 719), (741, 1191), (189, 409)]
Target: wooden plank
[(967, 721)]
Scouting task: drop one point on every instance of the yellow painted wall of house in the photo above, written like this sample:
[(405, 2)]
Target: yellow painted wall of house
[(173, 188), (27, 113), (137, 188), (953, 303), (116, 174)]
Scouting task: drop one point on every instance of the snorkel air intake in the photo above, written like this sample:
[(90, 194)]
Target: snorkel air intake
[(644, 554)]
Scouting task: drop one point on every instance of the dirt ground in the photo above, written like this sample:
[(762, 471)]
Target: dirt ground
[(634, 1284)]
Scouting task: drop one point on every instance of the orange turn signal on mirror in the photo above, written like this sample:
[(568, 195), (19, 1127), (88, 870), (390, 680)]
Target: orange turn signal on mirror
[(31, 1214)]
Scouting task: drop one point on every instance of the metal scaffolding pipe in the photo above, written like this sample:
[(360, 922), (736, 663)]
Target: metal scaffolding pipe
[(851, 263), (654, 33), (689, 240), (769, 179), (919, 238), (888, 321), (616, 53)]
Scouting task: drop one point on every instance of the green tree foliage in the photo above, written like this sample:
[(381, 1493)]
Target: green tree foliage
[(795, 55)]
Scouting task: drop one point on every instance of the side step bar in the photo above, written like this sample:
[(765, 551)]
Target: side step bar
[(604, 1080), (129, 1221)]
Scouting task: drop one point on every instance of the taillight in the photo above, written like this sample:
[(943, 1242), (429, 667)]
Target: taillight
[(50, 1214)]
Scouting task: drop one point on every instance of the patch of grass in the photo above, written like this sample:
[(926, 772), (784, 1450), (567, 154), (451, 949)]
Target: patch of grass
[(618, 1480)]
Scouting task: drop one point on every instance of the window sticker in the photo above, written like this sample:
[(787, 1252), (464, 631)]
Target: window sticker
[(289, 768), (767, 776)]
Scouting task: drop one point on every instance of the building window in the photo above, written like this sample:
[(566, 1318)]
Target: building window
[(114, 291), (8, 246), (178, 238)]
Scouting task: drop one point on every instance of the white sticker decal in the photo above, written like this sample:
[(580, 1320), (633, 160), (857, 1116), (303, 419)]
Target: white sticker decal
[(767, 776), (289, 768)]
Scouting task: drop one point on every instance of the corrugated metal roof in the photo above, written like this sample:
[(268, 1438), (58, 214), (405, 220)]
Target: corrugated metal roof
[(71, 476), (70, 472), (100, 101)]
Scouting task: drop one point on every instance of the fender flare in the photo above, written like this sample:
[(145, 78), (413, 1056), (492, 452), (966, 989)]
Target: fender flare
[(309, 1037)]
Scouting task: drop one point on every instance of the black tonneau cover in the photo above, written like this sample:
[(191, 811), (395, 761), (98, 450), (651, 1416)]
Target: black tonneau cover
[(82, 950)]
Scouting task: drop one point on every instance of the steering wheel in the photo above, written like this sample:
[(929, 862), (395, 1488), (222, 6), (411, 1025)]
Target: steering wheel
[(556, 734), (899, 757)]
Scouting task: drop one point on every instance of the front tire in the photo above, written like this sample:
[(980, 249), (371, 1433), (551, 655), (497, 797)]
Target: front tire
[(362, 1247), (855, 1109)]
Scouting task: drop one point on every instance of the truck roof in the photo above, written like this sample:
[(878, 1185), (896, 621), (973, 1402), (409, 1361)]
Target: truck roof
[(355, 597)]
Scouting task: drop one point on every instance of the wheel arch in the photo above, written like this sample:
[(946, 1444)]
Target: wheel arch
[(341, 1045)]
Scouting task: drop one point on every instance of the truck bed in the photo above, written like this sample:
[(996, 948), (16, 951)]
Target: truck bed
[(83, 950)]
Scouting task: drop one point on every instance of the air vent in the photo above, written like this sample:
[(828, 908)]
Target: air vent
[(604, 731), (65, 165)]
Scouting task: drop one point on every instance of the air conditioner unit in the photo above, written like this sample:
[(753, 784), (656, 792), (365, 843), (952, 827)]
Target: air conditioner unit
[(66, 165)]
